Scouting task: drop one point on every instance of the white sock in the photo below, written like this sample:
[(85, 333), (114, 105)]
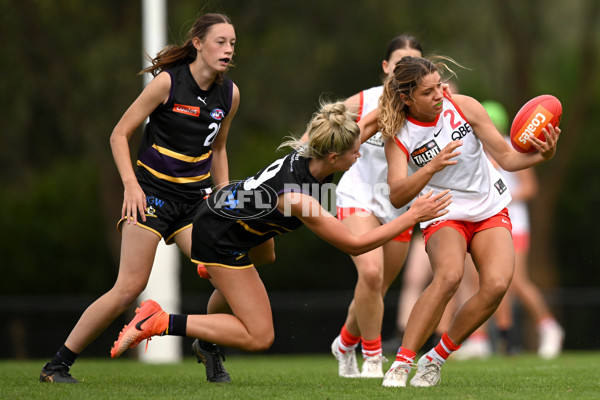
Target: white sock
[(432, 354)]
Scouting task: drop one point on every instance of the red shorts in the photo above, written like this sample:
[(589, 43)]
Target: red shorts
[(469, 229), (345, 212)]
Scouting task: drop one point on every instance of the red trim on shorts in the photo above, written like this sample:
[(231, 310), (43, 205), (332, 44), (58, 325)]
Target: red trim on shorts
[(404, 236), (345, 212), (469, 229)]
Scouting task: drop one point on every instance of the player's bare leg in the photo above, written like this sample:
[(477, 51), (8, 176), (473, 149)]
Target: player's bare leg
[(251, 328), (493, 254), (138, 247), (376, 271), (447, 250)]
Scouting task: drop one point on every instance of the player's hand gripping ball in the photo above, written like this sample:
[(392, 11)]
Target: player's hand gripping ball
[(534, 116)]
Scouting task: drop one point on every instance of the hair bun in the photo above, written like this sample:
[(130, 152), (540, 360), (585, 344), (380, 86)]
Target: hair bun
[(335, 113)]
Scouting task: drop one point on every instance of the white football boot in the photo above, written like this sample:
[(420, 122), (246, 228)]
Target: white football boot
[(429, 373), (397, 376), (348, 367), (551, 339), (373, 367)]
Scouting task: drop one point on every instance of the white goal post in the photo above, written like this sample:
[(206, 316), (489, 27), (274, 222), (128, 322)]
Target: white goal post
[(163, 285)]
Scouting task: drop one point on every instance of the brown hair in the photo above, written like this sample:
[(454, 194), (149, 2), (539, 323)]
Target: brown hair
[(174, 55), (408, 74), (402, 42)]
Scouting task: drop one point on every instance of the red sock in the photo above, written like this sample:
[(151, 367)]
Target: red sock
[(371, 348), (347, 340), (405, 355), (446, 346)]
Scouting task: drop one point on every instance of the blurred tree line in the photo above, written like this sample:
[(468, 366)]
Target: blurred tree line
[(69, 72)]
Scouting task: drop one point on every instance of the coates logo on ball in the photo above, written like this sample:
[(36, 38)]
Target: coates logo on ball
[(534, 116)]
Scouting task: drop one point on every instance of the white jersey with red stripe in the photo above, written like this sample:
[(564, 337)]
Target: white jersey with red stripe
[(364, 185), (478, 190)]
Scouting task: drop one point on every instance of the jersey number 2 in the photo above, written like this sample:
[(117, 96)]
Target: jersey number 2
[(450, 113), (214, 127)]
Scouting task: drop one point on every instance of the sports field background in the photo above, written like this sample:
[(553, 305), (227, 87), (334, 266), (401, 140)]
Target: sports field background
[(573, 375), (69, 74)]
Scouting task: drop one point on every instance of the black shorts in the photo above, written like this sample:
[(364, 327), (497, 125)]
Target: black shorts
[(166, 218), (209, 254)]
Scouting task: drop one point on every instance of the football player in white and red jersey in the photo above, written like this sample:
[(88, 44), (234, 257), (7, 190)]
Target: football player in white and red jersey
[(436, 143), (363, 203)]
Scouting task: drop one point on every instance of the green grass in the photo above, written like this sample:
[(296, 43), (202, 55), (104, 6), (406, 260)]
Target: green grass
[(571, 376)]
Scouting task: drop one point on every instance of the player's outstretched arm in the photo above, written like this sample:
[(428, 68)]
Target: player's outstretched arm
[(333, 231)]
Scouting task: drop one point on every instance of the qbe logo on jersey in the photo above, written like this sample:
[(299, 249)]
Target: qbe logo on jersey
[(422, 155)]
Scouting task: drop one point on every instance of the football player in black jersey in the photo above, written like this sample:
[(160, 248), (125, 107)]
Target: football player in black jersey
[(278, 199), (190, 105)]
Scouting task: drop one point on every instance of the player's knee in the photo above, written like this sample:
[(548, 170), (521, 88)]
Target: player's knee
[(372, 276), (128, 299), (449, 281), (495, 287), (261, 342), (127, 296)]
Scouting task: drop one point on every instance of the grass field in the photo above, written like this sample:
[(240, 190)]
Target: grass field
[(571, 376)]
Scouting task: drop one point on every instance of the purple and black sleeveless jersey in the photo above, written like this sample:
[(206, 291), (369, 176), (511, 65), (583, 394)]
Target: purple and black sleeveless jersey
[(244, 214), (175, 155)]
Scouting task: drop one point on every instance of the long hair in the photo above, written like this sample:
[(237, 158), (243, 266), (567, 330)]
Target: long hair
[(331, 130), (174, 55), (407, 76)]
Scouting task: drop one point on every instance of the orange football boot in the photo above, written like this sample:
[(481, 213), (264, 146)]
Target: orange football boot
[(203, 272), (150, 320)]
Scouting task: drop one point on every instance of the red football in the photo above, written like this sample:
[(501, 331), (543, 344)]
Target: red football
[(534, 116)]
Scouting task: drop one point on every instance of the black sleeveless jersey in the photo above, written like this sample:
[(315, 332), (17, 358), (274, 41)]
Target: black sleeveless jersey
[(244, 214), (175, 155)]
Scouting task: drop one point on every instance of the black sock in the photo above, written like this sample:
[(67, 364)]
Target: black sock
[(208, 346), (65, 357), (177, 325)]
